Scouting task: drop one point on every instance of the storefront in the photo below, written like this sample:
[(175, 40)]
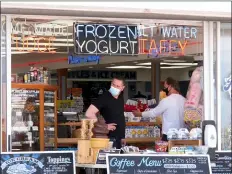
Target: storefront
[(215, 36)]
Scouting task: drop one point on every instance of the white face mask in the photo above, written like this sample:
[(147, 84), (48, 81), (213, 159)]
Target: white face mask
[(114, 91)]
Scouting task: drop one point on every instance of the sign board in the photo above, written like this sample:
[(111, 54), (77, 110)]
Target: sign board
[(75, 59), (106, 39), (56, 162), (101, 157), (222, 163), (127, 75), (158, 164)]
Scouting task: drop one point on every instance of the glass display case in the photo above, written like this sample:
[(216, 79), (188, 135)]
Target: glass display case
[(34, 117)]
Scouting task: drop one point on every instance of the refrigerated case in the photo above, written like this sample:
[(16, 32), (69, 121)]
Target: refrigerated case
[(34, 117)]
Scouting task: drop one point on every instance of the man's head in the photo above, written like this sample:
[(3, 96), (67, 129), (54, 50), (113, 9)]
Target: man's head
[(117, 86), (171, 86)]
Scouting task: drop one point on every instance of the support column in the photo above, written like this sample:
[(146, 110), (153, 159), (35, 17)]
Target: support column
[(62, 75), (155, 80)]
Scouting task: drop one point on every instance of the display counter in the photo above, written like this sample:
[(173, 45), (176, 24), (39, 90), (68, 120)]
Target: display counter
[(34, 117)]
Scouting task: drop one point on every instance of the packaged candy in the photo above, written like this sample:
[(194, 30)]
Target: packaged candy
[(172, 134), (161, 146), (195, 133), (183, 134)]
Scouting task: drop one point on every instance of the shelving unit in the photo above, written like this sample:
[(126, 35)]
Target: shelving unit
[(34, 117)]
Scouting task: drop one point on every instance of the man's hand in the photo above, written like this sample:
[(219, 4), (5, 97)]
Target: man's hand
[(137, 113), (111, 126)]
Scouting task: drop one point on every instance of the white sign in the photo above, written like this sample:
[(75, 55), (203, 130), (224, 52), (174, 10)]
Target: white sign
[(227, 85)]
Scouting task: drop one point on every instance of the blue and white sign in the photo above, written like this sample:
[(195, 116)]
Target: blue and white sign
[(227, 85), (76, 59), (61, 162)]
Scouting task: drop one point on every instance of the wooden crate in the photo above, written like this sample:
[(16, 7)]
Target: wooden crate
[(176, 143), (85, 152)]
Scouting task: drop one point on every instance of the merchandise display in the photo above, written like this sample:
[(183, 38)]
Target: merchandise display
[(184, 134), (190, 150), (194, 100), (37, 75), (142, 131), (29, 117)]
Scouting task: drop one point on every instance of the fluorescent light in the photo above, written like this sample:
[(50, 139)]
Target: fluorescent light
[(125, 67), (174, 67), (179, 64), (20, 52), (146, 67), (148, 63), (174, 60)]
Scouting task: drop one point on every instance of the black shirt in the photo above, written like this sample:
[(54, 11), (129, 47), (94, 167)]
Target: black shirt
[(112, 110)]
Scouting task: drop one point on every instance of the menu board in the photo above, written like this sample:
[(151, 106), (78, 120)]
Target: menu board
[(222, 163), (158, 164), (55, 162)]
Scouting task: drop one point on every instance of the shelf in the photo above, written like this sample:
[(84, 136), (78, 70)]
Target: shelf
[(141, 140), (143, 123), (70, 124), (127, 140)]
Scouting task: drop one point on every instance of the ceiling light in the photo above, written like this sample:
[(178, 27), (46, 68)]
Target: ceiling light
[(180, 64), (90, 67), (125, 67), (20, 52), (174, 67), (146, 67), (135, 62), (174, 60), (148, 63)]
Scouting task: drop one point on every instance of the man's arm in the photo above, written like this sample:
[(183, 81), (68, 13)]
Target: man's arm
[(91, 112), (157, 111)]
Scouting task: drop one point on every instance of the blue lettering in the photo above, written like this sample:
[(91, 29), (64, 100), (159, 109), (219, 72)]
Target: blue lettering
[(121, 164), (149, 163), (72, 59)]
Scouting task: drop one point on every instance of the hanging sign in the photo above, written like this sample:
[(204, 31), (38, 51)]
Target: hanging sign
[(57, 162), (105, 39), (75, 59), (158, 164)]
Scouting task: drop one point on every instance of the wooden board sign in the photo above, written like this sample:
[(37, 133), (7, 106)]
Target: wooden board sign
[(222, 163), (55, 162), (158, 164)]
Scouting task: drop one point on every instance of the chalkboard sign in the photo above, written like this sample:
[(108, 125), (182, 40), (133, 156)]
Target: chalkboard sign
[(158, 164), (222, 163), (55, 162), (101, 157)]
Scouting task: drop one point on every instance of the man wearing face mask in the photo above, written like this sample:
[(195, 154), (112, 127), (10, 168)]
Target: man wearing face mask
[(111, 106), (171, 108)]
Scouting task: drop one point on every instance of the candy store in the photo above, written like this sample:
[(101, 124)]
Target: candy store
[(55, 63)]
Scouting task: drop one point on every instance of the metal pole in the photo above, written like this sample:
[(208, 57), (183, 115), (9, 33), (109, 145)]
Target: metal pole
[(8, 80), (218, 86)]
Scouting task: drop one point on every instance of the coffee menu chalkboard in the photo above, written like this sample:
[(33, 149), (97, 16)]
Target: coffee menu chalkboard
[(222, 163), (158, 164), (49, 162)]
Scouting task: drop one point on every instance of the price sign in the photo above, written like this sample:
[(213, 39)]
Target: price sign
[(55, 162), (158, 164), (101, 157), (222, 163)]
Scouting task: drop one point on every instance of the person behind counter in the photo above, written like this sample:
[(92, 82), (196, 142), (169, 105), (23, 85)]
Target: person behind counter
[(171, 108), (111, 106)]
